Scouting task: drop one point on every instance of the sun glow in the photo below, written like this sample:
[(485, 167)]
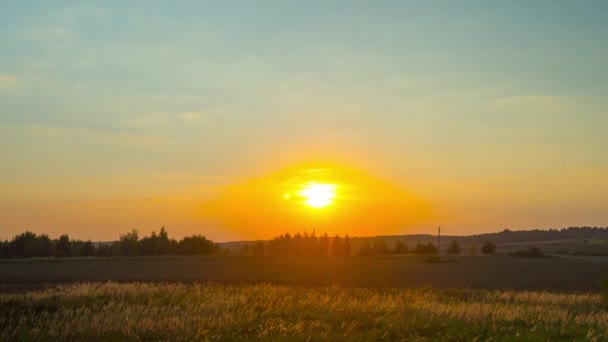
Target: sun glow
[(318, 195), (326, 196)]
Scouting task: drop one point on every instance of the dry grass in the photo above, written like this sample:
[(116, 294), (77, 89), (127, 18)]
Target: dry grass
[(140, 311)]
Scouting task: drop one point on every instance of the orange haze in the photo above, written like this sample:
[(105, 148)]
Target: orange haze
[(363, 205)]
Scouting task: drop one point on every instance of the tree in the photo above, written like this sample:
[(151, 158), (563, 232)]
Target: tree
[(128, 244), (400, 248), (488, 248), (258, 249), (147, 245), (196, 245), (4, 249), (87, 249), (453, 248), (63, 246), (107, 250), (366, 249), (380, 248), (473, 250), (324, 245), (28, 244), (426, 249), (347, 246), (163, 244), (337, 247)]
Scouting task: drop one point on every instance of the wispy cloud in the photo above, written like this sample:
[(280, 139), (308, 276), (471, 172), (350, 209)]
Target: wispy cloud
[(7, 81), (83, 134), (163, 120), (546, 102), (190, 117)]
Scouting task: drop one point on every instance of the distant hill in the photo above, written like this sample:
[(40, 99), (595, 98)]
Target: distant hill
[(504, 237)]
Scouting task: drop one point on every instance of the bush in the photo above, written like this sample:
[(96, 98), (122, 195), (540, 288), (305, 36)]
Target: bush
[(454, 248), (365, 250), (533, 252), (380, 248), (488, 248), (400, 248), (433, 260), (473, 250), (428, 249)]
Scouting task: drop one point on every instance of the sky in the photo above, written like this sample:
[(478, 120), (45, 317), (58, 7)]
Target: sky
[(122, 115)]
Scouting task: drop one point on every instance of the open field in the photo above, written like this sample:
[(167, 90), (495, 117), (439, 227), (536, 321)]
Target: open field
[(138, 311), (495, 272)]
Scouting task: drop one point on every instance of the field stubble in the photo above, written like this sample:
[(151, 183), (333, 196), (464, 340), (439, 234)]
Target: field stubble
[(210, 311)]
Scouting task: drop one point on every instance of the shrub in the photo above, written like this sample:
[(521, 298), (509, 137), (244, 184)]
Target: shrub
[(454, 248), (400, 248), (426, 249), (488, 248), (533, 252), (473, 250), (433, 259)]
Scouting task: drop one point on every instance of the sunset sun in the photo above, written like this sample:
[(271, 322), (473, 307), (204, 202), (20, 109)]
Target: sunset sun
[(318, 195)]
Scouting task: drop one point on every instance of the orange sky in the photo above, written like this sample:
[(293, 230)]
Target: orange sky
[(123, 115), (269, 205)]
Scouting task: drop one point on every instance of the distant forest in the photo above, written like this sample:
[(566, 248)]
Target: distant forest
[(511, 236), (29, 244)]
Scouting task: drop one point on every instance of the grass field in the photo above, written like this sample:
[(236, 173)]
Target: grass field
[(496, 272), (144, 311)]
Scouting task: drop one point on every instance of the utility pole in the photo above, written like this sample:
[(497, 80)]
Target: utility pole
[(439, 240)]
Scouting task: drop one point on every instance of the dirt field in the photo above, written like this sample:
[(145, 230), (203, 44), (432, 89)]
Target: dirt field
[(496, 272)]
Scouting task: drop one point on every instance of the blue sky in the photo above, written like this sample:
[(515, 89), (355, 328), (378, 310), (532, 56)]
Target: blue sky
[(479, 106)]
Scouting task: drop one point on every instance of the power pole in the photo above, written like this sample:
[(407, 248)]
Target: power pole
[(439, 240)]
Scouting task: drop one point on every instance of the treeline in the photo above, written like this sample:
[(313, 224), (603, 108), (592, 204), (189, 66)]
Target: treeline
[(507, 236), (28, 244), (304, 244), (400, 248)]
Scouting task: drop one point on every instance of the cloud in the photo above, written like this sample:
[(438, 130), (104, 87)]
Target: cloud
[(56, 133), (7, 81), (190, 117), (163, 120), (543, 102)]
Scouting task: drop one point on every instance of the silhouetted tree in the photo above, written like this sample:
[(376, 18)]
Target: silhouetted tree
[(473, 250), (196, 245), (128, 244), (426, 249), (324, 245), (258, 249), (400, 248), (366, 249), (106, 250), (4, 249), (86, 248), (147, 245), (163, 244), (64, 247), (337, 247), (380, 248), (488, 248), (347, 246), (28, 244), (453, 248)]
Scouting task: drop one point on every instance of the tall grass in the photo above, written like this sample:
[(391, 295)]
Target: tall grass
[(141, 311)]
